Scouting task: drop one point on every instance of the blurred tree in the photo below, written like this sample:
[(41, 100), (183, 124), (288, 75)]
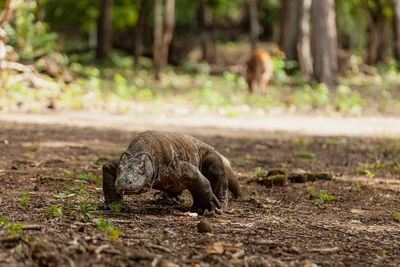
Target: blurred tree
[(139, 31), (303, 39), (396, 27), (4, 16), (289, 27), (163, 32), (104, 30), (205, 24), (254, 24), (324, 41), (378, 34)]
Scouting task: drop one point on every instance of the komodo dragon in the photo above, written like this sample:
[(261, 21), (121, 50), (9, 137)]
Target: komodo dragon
[(171, 162)]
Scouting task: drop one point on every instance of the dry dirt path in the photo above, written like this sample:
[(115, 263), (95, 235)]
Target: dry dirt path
[(52, 162), (223, 126)]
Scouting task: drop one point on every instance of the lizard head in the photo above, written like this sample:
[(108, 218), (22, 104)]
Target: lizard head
[(134, 174)]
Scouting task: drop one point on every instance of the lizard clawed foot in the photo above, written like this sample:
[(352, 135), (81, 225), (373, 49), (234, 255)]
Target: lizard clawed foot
[(212, 206)]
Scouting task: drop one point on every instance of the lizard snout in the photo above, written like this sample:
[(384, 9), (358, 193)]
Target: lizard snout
[(130, 183)]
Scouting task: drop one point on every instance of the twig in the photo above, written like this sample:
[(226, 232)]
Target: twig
[(101, 248), (10, 239), (325, 250), (162, 248), (32, 227)]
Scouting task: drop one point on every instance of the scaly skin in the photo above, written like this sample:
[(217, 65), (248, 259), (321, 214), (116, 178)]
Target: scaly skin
[(175, 162)]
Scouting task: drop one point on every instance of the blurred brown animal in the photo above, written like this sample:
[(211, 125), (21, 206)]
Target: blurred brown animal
[(259, 70)]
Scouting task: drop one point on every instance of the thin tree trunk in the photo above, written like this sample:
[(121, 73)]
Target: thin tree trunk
[(157, 47), (324, 41), (5, 16), (289, 27), (162, 34), (396, 27), (303, 39), (104, 29), (205, 22), (168, 30), (137, 53), (378, 35), (254, 24)]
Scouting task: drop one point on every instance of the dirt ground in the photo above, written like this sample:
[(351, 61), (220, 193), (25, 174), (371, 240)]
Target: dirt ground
[(50, 182)]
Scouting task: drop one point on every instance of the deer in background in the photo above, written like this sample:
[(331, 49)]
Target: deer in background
[(259, 70)]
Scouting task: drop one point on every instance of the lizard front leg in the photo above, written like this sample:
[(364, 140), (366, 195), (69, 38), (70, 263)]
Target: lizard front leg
[(109, 176), (204, 199)]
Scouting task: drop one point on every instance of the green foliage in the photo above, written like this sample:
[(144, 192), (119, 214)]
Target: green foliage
[(352, 22), (78, 188), (85, 208), (12, 228), (366, 172), (308, 98), (347, 100), (86, 176), (304, 154), (259, 171), (53, 211), (103, 225), (29, 156), (118, 206), (324, 197), (396, 215), (30, 38), (24, 199)]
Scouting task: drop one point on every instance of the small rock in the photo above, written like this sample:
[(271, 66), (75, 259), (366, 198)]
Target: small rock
[(169, 232), (204, 226)]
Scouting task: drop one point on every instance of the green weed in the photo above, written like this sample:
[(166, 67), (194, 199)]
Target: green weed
[(259, 171), (300, 142), (78, 188), (324, 197), (12, 228), (304, 154), (396, 215), (24, 199), (118, 206), (29, 156), (86, 176), (366, 172), (53, 211), (85, 208), (103, 225)]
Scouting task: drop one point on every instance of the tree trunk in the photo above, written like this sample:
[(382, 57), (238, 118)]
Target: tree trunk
[(289, 26), (157, 46), (205, 21), (162, 34), (254, 24), (303, 39), (104, 29), (378, 34), (4, 16), (324, 41), (168, 29), (137, 53), (396, 28)]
